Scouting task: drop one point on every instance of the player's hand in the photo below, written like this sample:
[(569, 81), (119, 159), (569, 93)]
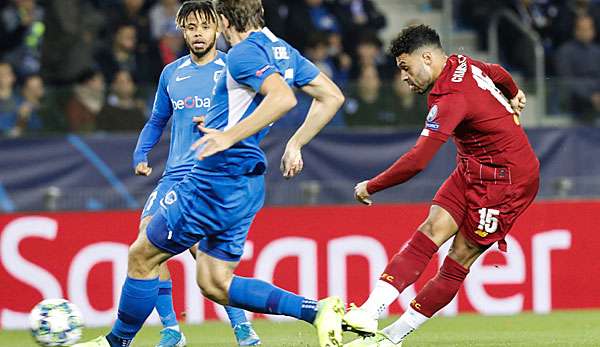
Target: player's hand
[(199, 120), (213, 141), (518, 102), (142, 169), (291, 161), (361, 194)]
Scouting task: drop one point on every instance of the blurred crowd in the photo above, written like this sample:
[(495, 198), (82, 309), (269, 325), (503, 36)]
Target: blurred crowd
[(568, 30), (92, 65)]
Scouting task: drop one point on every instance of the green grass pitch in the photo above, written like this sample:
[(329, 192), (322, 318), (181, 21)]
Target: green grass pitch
[(568, 328)]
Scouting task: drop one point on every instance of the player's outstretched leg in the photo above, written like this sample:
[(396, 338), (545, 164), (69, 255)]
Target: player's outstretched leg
[(242, 328), (403, 270), (139, 293), (217, 282), (436, 294), (262, 297)]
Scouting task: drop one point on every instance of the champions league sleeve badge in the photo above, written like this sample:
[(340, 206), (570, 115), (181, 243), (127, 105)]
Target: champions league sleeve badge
[(430, 121)]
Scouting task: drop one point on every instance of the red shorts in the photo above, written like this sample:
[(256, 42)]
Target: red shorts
[(485, 210)]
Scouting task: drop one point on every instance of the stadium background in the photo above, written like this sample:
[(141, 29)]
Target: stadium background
[(76, 84)]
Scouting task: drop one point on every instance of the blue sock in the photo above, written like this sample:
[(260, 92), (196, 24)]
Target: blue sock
[(164, 304), (236, 316), (138, 298), (262, 297)]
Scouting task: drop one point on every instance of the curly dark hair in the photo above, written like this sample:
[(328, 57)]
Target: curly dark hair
[(244, 15), (414, 37), (204, 8)]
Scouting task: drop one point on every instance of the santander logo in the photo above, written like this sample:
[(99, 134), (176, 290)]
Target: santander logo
[(190, 102)]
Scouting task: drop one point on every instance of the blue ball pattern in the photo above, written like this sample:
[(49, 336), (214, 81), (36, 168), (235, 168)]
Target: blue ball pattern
[(56, 322)]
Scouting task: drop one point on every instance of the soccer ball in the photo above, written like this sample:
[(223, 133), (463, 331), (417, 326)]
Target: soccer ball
[(56, 322)]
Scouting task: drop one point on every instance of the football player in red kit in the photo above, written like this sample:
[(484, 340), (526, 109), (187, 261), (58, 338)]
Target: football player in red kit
[(495, 180)]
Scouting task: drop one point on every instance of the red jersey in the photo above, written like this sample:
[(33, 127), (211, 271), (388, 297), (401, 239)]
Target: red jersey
[(465, 103), (469, 102)]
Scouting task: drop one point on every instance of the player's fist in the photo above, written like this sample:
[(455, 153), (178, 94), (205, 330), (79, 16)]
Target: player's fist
[(142, 169), (199, 120), (291, 162), (518, 102), (361, 194)]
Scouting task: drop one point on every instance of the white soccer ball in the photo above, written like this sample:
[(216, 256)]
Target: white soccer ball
[(56, 322)]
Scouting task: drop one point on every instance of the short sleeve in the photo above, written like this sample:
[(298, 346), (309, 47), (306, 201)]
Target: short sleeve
[(444, 116), (306, 71), (249, 65)]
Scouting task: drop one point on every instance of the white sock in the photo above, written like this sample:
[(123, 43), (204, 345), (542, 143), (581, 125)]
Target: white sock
[(407, 323), (382, 296), (174, 327)]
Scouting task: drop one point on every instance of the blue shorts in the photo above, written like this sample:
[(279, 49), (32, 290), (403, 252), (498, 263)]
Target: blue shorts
[(214, 210), (163, 186)]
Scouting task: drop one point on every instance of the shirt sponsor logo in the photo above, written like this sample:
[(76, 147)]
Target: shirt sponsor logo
[(460, 71), (192, 101)]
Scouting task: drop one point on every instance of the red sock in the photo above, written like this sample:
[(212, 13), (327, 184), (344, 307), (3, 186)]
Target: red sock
[(408, 264), (440, 290)]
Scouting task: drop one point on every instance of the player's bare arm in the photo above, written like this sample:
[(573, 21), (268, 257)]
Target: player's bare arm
[(327, 99), (279, 99)]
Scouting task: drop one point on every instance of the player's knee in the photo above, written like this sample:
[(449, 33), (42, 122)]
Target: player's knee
[(214, 291), (139, 263), (464, 253), (144, 224), (135, 261), (193, 250), (434, 228)]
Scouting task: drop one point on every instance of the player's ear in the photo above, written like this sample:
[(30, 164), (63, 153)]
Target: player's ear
[(224, 21), (427, 57)]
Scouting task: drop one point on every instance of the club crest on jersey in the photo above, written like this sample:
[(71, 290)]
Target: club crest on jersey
[(217, 75), (430, 121), (170, 198)]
